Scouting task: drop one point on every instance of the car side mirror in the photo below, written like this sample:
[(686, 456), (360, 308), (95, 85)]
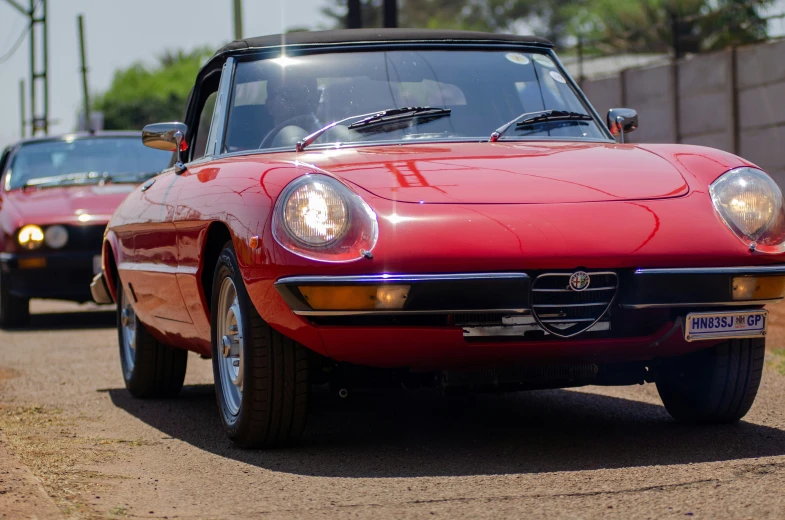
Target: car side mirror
[(169, 137), (622, 121)]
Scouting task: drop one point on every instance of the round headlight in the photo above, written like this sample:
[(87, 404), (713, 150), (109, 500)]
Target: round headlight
[(320, 218), (751, 204), (316, 213), (30, 237), (56, 236)]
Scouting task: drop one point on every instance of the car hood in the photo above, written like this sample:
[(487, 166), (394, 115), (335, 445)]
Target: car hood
[(67, 204), (505, 173)]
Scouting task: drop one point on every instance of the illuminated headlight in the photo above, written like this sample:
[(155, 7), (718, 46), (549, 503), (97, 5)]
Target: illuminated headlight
[(319, 218), (56, 237), (316, 213), (30, 237), (751, 204)]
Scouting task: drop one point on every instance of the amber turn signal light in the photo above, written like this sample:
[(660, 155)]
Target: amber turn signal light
[(33, 262), (355, 297), (750, 288)]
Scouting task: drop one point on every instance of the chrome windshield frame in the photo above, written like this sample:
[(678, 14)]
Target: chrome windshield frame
[(254, 54)]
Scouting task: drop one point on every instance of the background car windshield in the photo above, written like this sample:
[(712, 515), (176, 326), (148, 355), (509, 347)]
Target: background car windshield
[(113, 156), (278, 101)]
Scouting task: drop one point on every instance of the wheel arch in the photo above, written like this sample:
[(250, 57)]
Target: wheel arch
[(110, 264), (218, 234)]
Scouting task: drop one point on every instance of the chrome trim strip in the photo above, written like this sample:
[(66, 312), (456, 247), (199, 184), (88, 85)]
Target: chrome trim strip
[(405, 313), (592, 273), (398, 278), (569, 320), (217, 132), (570, 290), (764, 269), (559, 306), (705, 304)]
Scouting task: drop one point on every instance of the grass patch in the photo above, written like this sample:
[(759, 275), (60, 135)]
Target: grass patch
[(777, 361)]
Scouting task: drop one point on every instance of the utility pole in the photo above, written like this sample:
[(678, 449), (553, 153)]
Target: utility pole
[(87, 121), (37, 16), (391, 13), (354, 19), (238, 19), (22, 107)]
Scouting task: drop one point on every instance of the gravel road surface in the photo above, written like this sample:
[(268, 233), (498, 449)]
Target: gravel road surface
[(74, 444)]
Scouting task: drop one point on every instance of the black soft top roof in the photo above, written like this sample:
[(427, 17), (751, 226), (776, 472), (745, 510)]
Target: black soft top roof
[(377, 36)]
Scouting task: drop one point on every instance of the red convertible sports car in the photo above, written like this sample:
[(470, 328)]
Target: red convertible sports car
[(56, 196), (434, 208)]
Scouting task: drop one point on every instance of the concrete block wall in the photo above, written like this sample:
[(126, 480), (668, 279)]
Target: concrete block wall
[(760, 80), (733, 100)]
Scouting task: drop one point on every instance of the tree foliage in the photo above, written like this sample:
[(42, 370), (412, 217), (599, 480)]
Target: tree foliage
[(611, 25), (141, 94)]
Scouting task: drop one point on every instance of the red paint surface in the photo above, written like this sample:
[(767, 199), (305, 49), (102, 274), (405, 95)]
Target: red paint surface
[(512, 207)]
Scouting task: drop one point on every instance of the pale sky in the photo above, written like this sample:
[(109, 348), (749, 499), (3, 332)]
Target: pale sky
[(120, 32)]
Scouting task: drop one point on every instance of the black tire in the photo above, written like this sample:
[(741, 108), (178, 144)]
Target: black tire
[(715, 385), (157, 370), (274, 377), (14, 310)]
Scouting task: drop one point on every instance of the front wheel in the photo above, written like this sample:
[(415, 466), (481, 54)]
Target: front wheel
[(715, 385), (14, 310), (150, 368), (261, 376)]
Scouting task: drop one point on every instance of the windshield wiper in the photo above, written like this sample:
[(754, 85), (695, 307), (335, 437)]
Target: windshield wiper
[(132, 177), (378, 119), (542, 116), (66, 178)]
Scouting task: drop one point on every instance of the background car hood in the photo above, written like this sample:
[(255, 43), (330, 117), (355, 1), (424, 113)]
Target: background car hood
[(505, 173), (67, 204)]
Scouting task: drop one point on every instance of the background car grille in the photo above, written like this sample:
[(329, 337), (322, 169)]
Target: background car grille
[(563, 311)]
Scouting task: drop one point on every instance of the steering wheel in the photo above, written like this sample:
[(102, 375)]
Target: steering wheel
[(304, 121)]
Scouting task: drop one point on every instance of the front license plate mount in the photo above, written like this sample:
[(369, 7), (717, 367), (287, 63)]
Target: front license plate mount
[(721, 325)]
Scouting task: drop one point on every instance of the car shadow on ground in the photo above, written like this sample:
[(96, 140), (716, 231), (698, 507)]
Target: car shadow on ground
[(98, 319), (412, 434)]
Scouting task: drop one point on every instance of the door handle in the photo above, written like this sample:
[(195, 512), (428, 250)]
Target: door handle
[(148, 184)]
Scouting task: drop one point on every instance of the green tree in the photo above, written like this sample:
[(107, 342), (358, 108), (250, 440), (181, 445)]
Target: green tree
[(649, 25), (140, 94), (611, 25)]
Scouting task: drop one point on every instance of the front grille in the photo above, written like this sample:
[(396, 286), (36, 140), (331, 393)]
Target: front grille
[(85, 238), (564, 311)]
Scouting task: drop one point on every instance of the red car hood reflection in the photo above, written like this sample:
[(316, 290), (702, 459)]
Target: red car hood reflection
[(67, 204), (505, 173)]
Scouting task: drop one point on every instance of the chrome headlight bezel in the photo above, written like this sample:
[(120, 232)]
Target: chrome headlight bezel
[(56, 237), (751, 204), (355, 238)]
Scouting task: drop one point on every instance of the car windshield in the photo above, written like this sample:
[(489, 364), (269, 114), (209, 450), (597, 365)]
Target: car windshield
[(84, 161), (278, 101)]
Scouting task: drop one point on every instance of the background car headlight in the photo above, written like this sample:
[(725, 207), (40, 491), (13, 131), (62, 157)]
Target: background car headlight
[(751, 205), (56, 236), (30, 237), (320, 218)]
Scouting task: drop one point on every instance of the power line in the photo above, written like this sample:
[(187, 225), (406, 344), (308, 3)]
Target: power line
[(7, 56)]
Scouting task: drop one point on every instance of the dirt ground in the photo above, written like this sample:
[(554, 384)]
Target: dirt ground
[(74, 444)]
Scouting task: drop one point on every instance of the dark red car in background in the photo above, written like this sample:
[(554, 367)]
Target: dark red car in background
[(56, 196)]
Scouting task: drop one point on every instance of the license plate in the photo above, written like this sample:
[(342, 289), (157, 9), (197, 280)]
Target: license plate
[(717, 325), (96, 264)]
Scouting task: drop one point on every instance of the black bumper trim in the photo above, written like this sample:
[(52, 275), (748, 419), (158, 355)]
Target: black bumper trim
[(429, 294)]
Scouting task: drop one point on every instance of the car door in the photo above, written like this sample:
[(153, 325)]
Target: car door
[(152, 274), (206, 122)]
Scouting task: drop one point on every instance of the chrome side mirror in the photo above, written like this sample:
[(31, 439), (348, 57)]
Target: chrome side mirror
[(169, 137), (622, 121)]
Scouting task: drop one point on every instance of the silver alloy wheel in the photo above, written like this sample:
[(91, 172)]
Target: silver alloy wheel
[(230, 346), (128, 326)]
